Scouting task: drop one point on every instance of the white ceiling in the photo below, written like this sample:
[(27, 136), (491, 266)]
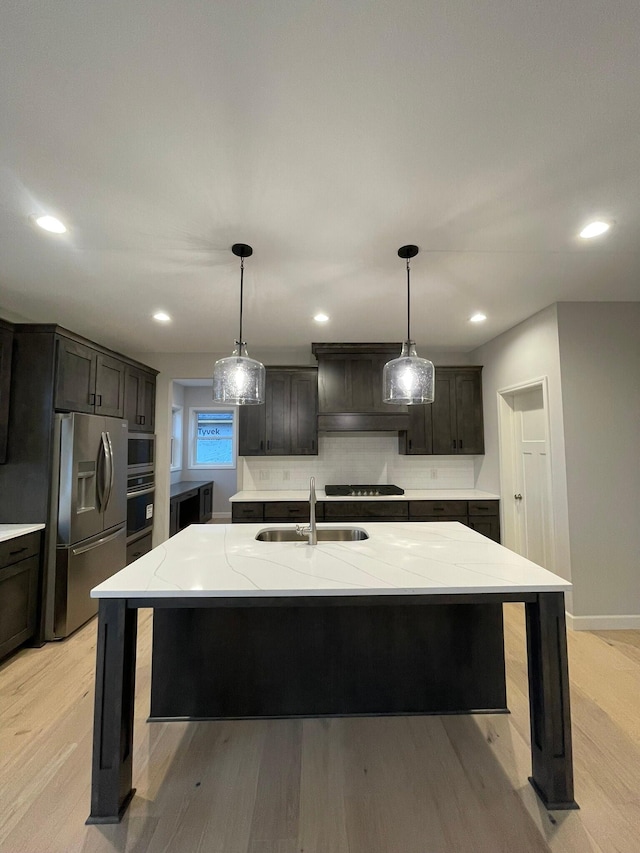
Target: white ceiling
[(326, 134)]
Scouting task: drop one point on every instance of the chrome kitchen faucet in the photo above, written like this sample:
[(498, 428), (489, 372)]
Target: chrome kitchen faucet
[(310, 531)]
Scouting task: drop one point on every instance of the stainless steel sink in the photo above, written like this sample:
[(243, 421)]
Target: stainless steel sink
[(325, 534)]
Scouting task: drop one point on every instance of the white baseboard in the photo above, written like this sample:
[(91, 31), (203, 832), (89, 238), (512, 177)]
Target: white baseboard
[(603, 623), (222, 516)]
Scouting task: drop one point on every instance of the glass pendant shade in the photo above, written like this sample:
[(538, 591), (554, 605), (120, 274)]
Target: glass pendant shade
[(409, 379), (238, 380)]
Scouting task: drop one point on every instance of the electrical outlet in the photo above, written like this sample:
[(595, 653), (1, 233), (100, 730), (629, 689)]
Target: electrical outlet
[(286, 474), (434, 473), (265, 475)]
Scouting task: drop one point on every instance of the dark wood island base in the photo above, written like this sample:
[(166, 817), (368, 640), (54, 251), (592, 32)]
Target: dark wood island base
[(438, 654)]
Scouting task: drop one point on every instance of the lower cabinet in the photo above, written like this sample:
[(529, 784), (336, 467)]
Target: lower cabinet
[(139, 547), (189, 503), (483, 516), (19, 574)]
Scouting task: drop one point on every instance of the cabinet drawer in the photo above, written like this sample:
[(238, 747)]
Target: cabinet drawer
[(418, 509), (12, 550), (363, 510), (484, 507), (247, 512), (284, 510), (432, 519), (138, 548)]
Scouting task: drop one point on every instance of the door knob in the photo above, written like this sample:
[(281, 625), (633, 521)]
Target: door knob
[(518, 497)]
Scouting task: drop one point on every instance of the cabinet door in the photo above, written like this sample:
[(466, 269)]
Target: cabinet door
[(110, 381), (206, 503), (277, 403), (489, 526), (6, 350), (333, 386), (75, 376), (251, 430), (469, 421), (173, 517), (147, 405), (304, 413), (18, 605), (443, 412), (418, 440), (140, 400)]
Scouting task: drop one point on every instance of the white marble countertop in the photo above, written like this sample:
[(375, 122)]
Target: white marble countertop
[(399, 558), (10, 531), (409, 495)]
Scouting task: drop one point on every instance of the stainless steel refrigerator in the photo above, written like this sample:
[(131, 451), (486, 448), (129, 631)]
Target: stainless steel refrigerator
[(88, 516)]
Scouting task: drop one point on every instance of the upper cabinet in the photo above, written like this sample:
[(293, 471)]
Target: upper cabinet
[(453, 423), (88, 380), (6, 350), (287, 423), (350, 387), (140, 399)]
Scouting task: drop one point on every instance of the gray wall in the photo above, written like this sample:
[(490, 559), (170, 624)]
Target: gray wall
[(600, 364), (527, 352)]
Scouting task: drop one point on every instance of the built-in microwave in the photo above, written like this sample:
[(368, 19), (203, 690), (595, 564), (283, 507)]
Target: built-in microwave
[(141, 453)]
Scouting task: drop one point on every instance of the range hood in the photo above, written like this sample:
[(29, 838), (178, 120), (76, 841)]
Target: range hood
[(350, 388)]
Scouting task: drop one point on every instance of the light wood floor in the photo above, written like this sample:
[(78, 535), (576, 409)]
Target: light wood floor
[(398, 785)]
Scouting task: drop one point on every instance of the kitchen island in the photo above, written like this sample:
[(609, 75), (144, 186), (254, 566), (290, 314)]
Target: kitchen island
[(405, 621)]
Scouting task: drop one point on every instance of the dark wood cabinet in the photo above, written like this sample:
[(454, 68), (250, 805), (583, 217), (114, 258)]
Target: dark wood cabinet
[(418, 439), (206, 503), (140, 400), (87, 380), (350, 378), (483, 516), (457, 419), (19, 573), (6, 352), (453, 423), (189, 503), (287, 423)]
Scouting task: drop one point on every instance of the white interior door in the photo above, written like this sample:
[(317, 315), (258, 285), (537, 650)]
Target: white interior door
[(532, 478)]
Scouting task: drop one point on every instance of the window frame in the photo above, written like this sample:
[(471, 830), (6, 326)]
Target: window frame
[(193, 438), (176, 443)]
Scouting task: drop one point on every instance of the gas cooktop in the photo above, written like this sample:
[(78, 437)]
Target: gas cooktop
[(362, 491)]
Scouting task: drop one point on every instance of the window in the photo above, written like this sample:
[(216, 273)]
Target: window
[(212, 438), (176, 438)]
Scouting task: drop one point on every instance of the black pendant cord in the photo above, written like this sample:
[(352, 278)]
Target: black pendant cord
[(241, 298), (408, 304)]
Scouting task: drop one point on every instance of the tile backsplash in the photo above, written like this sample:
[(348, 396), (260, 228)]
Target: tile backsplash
[(366, 458)]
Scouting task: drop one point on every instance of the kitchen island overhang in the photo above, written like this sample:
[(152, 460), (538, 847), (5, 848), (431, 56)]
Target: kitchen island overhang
[(408, 621)]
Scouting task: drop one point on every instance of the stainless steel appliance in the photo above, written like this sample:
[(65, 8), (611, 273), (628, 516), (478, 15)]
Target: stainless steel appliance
[(140, 502), (141, 452), (361, 491), (88, 515)]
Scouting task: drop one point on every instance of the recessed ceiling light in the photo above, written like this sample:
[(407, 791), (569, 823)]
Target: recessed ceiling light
[(162, 317), (50, 223), (595, 229), (478, 318), (321, 318)]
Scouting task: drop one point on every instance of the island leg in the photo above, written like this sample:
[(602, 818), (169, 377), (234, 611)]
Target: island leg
[(111, 789), (550, 714)]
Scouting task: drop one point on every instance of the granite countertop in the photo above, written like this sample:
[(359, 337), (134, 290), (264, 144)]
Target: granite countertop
[(409, 495), (398, 558), (10, 531)]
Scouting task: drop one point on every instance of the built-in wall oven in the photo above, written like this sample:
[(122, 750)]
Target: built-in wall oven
[(140, 495)]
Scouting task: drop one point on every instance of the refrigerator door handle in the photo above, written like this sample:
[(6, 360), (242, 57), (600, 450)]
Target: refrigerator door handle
[(111, 468), (82, 549), (105, 480)]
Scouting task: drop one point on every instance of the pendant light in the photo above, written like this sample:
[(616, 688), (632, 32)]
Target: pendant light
[(239, 380), (409, 379)]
